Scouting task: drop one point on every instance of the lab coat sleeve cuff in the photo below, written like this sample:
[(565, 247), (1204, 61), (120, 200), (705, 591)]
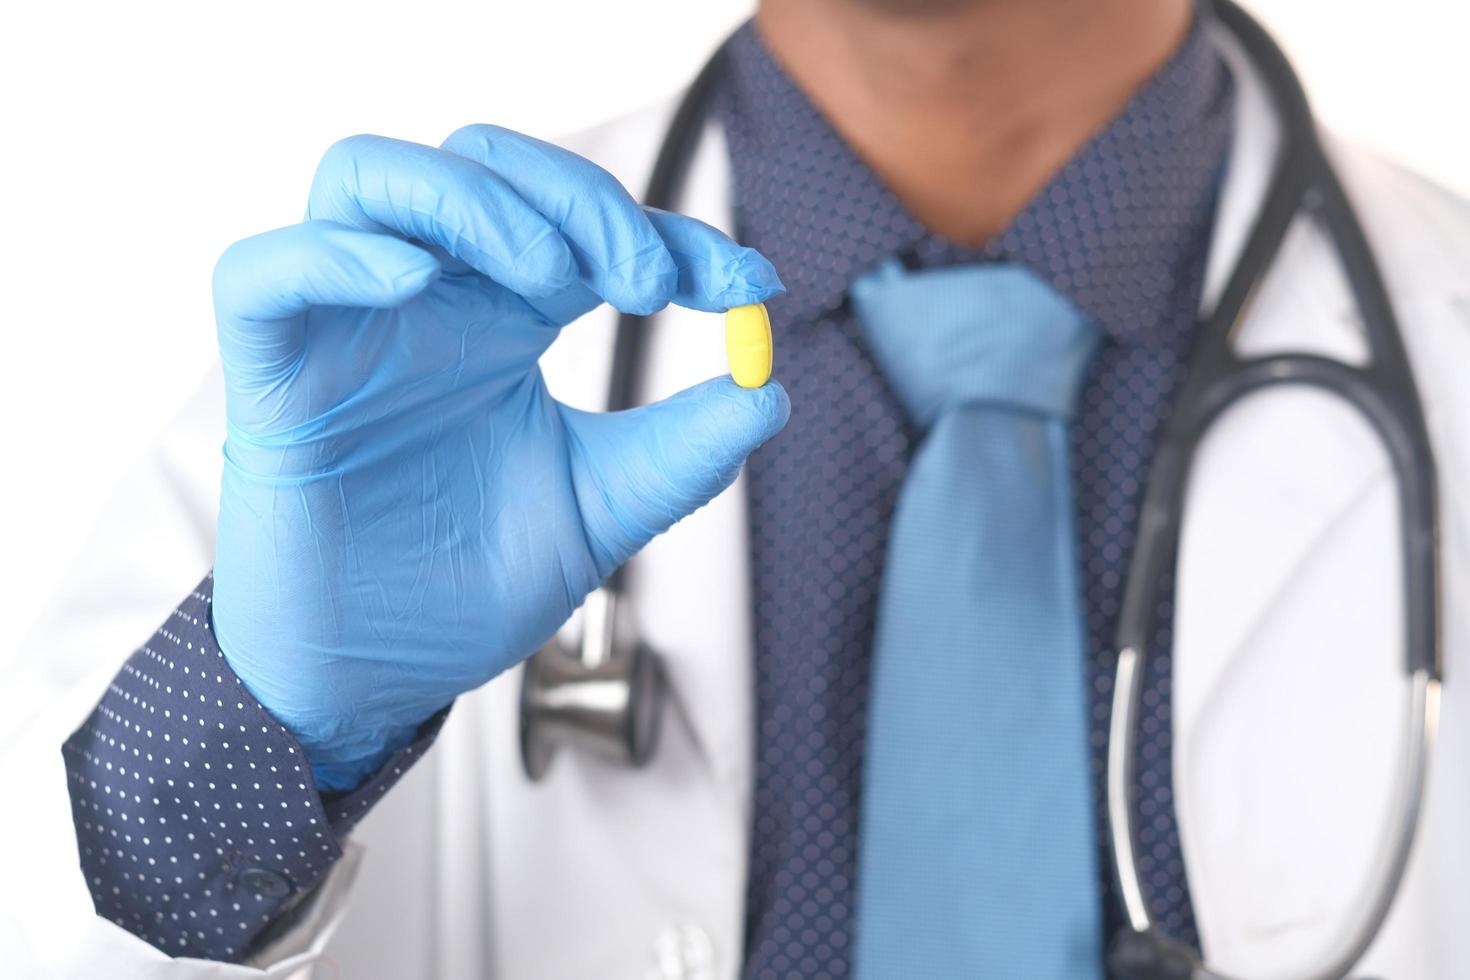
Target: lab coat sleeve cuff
[(199, 827)]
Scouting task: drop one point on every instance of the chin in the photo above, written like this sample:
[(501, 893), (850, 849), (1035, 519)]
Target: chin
[(921, 8)]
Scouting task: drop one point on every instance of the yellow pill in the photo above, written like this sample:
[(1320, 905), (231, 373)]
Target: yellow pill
[(748, 344)]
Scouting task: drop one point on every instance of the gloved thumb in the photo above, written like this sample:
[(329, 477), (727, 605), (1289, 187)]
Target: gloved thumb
[(638, 472)]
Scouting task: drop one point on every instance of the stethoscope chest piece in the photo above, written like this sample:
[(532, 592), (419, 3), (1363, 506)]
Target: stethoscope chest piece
[(605, 697), (1149, 955)]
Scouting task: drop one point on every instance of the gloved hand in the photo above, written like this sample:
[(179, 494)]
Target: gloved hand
[(406, 511)]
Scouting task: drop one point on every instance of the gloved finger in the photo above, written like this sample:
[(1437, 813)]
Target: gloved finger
[(444, 200), (637, 260), (620, 256), (262, 283), (637, 472), (715, 273)]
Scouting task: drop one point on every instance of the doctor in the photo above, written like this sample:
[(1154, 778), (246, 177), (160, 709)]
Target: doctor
[(886, 594)]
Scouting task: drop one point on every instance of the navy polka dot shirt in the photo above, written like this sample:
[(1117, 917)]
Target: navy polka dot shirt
[(1123, 230)]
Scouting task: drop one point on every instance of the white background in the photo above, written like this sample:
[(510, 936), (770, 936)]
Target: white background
[(139, 139)]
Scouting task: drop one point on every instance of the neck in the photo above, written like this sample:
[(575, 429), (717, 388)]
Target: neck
[(966, 108)]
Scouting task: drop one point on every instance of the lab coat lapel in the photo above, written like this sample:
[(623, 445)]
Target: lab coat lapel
[(1286, 691), (1303, 305)]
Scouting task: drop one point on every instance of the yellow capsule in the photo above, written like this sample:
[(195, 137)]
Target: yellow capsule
[(748, 344)]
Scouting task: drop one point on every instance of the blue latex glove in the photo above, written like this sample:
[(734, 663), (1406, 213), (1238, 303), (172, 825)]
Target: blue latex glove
[(406, 511)]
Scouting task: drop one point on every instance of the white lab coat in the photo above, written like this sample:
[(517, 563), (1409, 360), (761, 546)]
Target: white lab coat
[(1289, 703)]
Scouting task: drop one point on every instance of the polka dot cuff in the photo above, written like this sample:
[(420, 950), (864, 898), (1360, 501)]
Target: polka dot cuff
[(198, 823)]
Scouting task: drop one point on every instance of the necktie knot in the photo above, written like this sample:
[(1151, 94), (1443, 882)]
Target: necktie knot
[(975, 334)]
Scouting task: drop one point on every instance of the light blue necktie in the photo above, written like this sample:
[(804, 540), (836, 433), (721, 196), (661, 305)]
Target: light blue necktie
[(978, 854)]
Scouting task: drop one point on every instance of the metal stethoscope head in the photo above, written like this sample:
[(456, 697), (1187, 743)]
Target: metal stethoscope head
[(604, 697)]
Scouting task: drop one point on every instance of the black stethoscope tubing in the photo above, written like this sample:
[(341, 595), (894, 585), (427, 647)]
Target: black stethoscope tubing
[(1383, 392), (665, 184)]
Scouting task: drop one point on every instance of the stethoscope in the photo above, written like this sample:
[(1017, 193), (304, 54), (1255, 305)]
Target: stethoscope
[(608, 694)]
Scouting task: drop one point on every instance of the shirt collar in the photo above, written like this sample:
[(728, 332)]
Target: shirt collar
[(1115, 229)]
